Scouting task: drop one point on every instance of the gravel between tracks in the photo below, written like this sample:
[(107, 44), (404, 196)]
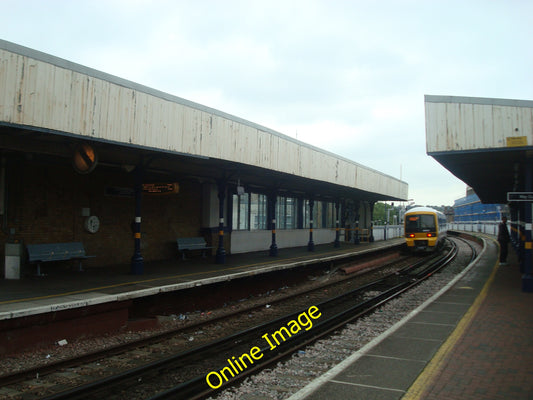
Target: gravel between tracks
[(45, 355), (286, 378), (290, 376)]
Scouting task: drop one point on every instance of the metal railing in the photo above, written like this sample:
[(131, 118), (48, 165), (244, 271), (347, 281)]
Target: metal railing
[(487, 227), (385, 232)]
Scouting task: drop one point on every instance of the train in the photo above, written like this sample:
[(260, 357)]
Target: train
[(425, 229)]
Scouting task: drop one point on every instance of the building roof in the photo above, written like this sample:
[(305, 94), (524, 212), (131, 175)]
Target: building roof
[(484, 142), (54, 96)]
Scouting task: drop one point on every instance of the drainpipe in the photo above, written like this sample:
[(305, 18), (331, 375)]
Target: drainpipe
[(311, 244), (221, 252), (272, 198)]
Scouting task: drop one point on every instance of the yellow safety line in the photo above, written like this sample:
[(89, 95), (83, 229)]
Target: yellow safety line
[(156, 279), (428, 375)]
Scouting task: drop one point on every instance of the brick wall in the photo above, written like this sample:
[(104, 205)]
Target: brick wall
[(45, 198)]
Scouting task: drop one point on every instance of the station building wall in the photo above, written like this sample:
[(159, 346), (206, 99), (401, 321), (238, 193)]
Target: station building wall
[(45, 200), (246, 241)]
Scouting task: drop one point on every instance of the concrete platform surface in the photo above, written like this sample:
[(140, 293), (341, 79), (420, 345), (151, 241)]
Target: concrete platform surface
[(473, 340), (62, 290)]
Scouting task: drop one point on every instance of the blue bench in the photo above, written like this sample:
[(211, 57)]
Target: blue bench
[(192, 243), (48, 252)]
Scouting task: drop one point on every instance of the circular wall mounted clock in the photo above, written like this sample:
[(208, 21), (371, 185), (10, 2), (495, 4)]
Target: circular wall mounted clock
[(92, 224)]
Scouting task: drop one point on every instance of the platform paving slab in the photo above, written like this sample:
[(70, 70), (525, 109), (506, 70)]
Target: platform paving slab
[(388, 369)]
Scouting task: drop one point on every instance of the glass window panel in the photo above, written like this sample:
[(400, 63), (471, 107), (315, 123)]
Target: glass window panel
[(280, 212), (331, 215), (241, 208), (258, 211), (286, 213), (244, 211), (235, 212), (291, 213)]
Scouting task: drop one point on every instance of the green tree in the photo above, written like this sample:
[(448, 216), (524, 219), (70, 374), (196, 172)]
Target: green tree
[(384, 210)]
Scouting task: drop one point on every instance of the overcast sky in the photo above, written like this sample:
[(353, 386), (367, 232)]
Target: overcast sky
[(345, 76)]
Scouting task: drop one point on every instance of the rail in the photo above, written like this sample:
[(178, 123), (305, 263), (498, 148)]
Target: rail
[(399, 281), (389, 287), (335, 314)]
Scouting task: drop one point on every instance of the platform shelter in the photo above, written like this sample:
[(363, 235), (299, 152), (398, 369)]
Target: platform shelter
[(128, 170), (488, 144)]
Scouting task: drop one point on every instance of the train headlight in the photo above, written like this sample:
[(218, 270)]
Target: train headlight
[(411, 235)]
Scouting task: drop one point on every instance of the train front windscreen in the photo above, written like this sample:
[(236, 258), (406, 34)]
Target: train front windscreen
[(420, 223)]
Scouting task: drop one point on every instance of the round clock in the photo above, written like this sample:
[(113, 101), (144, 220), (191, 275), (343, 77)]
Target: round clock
[(92, 224)]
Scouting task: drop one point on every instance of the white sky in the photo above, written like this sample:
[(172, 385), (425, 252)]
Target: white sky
[(346, 76)]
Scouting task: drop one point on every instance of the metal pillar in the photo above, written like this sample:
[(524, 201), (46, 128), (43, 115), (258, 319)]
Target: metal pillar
[(300, 217), (220, 257), (514, 225), (520, 235), (371, 236), (356, 239), (337, 242), (137, 261), (311, 244), (527, 267), (272, 199), (349, 221)]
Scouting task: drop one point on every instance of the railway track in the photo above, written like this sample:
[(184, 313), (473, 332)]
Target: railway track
[(190, 368), (338, 312), (287, 377), (318, 292)]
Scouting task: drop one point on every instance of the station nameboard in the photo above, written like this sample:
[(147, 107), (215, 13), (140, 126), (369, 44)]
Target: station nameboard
[(520, 196), (161, 188)]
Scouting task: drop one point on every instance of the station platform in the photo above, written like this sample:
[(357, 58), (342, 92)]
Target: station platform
[(63, 290), (472, 340)]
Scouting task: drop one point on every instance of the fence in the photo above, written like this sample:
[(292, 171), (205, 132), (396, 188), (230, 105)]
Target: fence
[(394, 231), (391, 231), (488, 227)]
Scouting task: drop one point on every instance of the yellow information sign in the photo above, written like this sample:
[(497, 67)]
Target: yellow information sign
[(517, 141)]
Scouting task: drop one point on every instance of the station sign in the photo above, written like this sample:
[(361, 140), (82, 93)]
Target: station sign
[(520, 196), (147, 188), (161, 188)]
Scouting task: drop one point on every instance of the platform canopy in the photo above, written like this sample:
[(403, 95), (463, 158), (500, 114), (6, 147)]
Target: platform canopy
[(487, 143), (45, 99)]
